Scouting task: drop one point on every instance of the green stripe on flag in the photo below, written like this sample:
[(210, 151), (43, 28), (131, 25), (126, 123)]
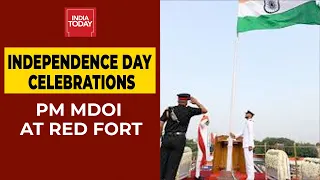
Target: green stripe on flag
[(308, 13)]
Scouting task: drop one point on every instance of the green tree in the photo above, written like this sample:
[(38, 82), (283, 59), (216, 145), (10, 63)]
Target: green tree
[(193, 145), (272, 141), (310, 151), (258, 150)]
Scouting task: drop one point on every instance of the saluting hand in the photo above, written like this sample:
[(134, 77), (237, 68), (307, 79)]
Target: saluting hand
[(193, 100)]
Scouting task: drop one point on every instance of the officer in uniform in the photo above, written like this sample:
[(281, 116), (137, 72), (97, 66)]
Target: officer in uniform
[(177, 119), (248, 144)]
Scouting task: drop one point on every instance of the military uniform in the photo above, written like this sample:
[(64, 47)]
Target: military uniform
[(248, 141), (174, 139)]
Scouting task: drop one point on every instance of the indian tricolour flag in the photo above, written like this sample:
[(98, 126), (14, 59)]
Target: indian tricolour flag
[(275, 14)]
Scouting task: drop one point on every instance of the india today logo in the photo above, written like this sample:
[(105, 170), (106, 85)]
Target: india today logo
[(80, 22)]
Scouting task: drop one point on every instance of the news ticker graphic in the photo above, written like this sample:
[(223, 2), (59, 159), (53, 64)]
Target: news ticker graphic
[(83, 70), (80, 22)]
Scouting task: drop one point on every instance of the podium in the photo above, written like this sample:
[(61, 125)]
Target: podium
[(221, 152)]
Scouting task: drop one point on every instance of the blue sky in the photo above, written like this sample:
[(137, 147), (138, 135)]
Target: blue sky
[(277, 73)]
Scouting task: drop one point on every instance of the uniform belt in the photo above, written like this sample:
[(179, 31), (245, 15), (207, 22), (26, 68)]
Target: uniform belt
[(176, 133)]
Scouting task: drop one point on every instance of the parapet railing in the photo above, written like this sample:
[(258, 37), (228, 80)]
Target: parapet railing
[(295, 155)]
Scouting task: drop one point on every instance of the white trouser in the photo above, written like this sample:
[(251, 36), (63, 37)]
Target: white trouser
[(248, 156), (199, 158)]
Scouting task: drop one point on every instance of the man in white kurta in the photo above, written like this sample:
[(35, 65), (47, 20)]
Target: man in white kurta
[(248, 144), (203, 150)]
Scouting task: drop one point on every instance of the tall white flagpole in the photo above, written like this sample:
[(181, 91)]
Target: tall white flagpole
[(233, 95)]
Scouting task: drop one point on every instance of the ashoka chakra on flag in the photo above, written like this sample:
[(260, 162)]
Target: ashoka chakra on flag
[(275, 14)]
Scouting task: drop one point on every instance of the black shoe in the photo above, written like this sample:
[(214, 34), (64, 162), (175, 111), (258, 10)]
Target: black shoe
[(199, 178)]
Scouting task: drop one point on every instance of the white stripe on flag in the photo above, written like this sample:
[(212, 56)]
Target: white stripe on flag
[(256, 7)]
